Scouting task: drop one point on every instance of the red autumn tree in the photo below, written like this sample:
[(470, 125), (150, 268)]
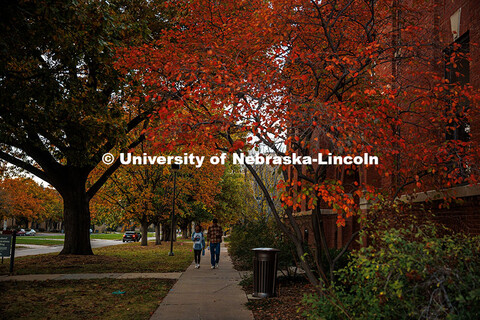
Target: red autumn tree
[(309, 77)]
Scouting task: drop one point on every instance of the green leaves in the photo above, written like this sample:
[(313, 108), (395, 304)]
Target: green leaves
[(425, 276)]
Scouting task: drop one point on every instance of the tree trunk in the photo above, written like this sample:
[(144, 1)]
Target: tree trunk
[(157, 234), (76, 214), (166, 232), (320, 243), (144, 232), (189, 230), (185, 233)]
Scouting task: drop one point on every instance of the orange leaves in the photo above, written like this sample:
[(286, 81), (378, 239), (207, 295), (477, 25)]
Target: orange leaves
[(26, 199), (340, 221), (229, 72), (137, 193), (304, 77), (238, 144)]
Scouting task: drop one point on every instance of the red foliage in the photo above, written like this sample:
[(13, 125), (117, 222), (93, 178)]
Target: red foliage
[(315, 77)]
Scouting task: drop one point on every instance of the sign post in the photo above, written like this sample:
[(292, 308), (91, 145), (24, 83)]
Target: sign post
[(7, 248)]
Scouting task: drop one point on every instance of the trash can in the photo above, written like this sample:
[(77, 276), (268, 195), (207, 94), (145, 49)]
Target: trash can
[(265, 272)]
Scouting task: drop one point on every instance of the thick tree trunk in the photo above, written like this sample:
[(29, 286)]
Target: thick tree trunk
[(166, 232), (144, 232), (157, 234), (76, 214)]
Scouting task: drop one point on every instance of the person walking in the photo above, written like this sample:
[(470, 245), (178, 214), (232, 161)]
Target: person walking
[(214, 238), (198, 244)]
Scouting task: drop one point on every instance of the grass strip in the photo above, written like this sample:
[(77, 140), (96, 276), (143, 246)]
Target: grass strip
[(107, 236), (82, 299), (38, 241), (129, 257)]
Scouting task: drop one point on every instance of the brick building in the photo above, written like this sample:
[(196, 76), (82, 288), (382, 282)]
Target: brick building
[(455, 23), (450, 23)]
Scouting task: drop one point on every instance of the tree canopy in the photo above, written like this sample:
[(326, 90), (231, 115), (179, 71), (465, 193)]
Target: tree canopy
[(308, 77), (62, 102)]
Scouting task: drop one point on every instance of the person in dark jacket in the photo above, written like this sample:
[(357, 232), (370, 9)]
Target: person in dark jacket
[(214, 238)]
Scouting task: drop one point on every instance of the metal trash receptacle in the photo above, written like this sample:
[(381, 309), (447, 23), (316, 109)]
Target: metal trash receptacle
[(265, 272)]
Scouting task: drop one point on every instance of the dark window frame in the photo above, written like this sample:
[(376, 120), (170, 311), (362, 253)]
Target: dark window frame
[(458, 73)]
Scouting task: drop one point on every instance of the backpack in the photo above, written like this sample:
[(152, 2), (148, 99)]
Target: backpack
[(197, 241)]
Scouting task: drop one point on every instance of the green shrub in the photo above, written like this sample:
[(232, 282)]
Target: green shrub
[(341, 263), (427, 276), (258, 234)]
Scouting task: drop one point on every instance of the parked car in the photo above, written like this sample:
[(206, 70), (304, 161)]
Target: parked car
[(21, 232), (32, 232), (131, 236)]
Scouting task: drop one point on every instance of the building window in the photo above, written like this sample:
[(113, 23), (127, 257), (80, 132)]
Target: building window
[(457, 71)]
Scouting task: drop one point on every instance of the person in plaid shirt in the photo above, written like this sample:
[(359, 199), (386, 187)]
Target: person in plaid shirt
[(214, 237)]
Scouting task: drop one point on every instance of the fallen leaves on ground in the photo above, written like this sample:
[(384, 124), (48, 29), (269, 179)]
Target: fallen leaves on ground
[(287, 305)]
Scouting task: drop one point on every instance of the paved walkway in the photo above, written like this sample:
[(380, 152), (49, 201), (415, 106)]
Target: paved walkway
[(86, 276), (29, 250), (206, 294), (203, 293)]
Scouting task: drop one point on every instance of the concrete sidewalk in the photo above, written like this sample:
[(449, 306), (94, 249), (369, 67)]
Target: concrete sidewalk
[(30, 250), (206, 294), (87, 276)]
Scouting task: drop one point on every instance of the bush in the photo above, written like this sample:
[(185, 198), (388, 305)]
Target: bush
[(258, 234), (426, 277)]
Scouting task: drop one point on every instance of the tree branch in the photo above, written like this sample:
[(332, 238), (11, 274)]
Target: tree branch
[(24, 165), (109, 145), (104, 177)]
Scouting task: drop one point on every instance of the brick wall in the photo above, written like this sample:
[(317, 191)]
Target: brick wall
[(469, 22), (336, 237), (461, 217)]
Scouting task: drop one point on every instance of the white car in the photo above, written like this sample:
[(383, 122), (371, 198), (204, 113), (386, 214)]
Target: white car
[(31, 232)]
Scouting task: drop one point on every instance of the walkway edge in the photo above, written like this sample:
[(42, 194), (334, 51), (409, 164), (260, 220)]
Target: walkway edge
[(206, 294)]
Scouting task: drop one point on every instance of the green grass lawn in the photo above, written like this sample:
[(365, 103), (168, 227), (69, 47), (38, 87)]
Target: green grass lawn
[(129, 257), (82, 299), (38, 241), (107, 236), (51, 236)]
